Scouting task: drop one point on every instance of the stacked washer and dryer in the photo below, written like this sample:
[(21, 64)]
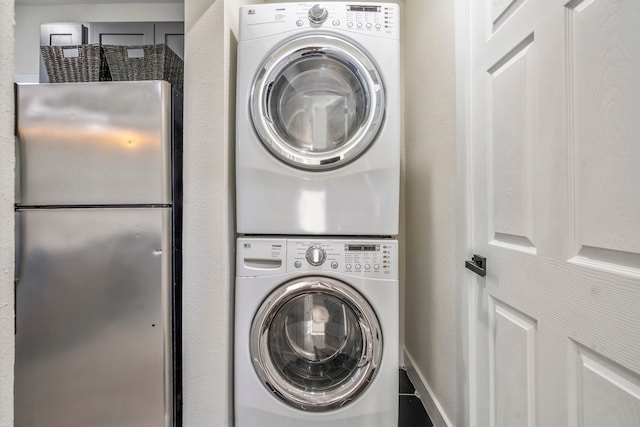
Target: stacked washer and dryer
[(317, 198)]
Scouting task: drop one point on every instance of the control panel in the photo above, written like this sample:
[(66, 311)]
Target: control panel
[(361, 257), (370, 258), (368, 18)]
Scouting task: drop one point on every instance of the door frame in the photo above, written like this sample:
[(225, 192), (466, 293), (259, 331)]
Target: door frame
[(464, 279)]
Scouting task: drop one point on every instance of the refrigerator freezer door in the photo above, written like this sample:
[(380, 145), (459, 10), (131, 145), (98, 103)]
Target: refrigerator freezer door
[(93, 318), (94, 143)]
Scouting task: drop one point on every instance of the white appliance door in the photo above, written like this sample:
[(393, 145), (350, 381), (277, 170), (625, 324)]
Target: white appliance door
[(317, 102), (93, 318), (316, 343)]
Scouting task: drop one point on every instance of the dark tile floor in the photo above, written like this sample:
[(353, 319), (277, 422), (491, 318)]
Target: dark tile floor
[(412, 413)]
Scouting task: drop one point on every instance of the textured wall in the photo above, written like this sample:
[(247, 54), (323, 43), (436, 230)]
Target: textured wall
[(430, 173), (209, 236), (6, 213), (207, 252)]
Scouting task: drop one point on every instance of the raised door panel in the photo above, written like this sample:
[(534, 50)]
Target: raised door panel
[(171, 34), (604, 64), (603, 392), (501, 11), (510, 167), (60, 34), (512, 348), (122, 33)]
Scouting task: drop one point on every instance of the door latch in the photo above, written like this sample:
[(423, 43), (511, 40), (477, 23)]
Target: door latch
[(478, 265)]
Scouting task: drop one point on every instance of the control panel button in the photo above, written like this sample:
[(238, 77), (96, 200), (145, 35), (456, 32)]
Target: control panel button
[(334, 264), (336, 22), (348, 266), (367, 267), (349, 24), (376, 267), (297, 264), (369, 25), (299, 23), (378, 26), (318, 14), (359, 25), (358, 266), (316, 255)]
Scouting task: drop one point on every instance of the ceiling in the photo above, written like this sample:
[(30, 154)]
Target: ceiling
[(56, 2)]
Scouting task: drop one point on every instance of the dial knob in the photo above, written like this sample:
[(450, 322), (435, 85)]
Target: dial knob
[(316, 255), (318, 14)]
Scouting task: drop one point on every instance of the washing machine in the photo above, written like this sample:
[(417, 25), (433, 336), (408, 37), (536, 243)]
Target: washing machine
[(318, 119), (316, 332)]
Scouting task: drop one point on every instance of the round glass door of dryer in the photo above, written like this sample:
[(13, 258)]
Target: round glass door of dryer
[(317, 102), (316, 343)]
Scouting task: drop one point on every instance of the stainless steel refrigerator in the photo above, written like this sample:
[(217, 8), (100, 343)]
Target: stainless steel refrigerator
[(98, 226)]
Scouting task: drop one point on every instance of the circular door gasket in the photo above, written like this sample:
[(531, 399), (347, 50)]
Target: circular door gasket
[(316, 343), (317, 102)]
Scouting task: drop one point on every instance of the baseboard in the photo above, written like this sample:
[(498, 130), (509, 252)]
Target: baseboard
[(423, 391)]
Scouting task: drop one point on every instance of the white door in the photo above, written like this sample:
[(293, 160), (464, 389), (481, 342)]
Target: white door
[(555, 173), (171, 34), (121, 33), (59, 34)]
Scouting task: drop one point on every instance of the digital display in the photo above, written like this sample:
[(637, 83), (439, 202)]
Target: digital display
[(362, 248), (355, 8)]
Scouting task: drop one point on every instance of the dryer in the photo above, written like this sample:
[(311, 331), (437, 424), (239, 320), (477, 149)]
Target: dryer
[(316, 333), (318, 119)]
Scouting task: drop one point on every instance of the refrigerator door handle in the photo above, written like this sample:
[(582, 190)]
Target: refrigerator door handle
[(19, 236), (17, 267)]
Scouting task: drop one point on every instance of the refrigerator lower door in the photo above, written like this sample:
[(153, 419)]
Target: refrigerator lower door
[(93, 318)]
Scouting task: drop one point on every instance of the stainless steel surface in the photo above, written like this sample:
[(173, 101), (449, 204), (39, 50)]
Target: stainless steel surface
[(95, 275), (317, 102), (316, 343), (93, 342), (94, 143)]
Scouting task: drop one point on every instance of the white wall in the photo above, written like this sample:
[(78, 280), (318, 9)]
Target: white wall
[(209, 237), (430, 182), (6, 213), (207, 252), (29, 18)]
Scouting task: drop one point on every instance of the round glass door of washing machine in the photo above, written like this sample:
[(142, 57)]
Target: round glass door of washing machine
[(317, 102), (316, 343)]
